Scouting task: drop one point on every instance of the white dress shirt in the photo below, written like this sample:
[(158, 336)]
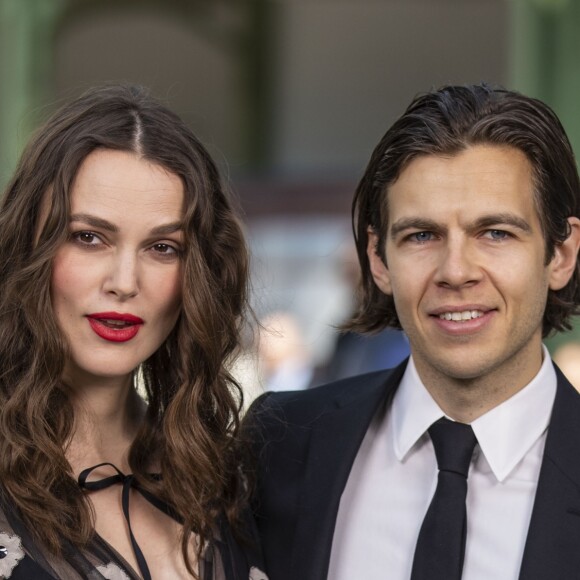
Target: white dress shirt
[(395, 474)]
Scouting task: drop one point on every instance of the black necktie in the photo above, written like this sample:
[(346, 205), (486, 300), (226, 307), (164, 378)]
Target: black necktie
[(441, 543)]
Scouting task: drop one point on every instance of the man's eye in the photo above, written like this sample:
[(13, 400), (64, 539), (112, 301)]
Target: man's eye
[(422, 236), (497, 234)]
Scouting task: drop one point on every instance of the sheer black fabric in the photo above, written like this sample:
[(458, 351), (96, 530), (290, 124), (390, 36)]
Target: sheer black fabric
[(225, 558)]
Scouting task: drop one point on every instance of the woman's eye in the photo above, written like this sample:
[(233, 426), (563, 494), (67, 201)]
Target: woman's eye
[(165, 249), (87, 238)]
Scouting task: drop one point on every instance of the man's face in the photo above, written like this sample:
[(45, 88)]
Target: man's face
[(466, 266)]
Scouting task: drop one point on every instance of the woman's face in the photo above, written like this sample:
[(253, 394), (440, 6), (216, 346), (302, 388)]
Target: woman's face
[(116, 281)]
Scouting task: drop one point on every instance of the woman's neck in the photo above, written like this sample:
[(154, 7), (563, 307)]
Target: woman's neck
[(108, 414)]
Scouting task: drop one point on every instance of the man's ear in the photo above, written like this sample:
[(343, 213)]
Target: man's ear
[(563, 263), (378, 268)]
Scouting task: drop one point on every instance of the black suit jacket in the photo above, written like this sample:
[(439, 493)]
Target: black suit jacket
[(306, 443)]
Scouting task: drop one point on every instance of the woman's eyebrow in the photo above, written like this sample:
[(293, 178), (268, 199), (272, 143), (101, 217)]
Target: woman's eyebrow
[(94, 221), (169, 228), (106, 225)]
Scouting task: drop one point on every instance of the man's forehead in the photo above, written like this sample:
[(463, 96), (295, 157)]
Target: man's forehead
[(472, 160), (475, 165), (476, 180)]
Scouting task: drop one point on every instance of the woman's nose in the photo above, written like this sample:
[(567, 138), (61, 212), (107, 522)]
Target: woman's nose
[(122, 276)]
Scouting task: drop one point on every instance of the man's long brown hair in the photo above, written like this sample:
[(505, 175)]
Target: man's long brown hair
[(193, 402), (445, 122)]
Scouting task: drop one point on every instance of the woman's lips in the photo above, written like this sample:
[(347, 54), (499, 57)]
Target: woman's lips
[(115, 326)]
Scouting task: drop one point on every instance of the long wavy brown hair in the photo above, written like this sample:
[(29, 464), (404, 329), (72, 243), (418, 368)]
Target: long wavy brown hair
[(191, 421)]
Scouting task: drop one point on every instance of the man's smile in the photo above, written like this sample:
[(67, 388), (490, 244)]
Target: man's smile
[(461, 316)]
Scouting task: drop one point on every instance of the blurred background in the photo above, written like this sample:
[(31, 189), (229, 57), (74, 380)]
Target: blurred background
[(290, 96)]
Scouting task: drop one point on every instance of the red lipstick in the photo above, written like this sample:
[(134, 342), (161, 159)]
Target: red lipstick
[(114, 326)]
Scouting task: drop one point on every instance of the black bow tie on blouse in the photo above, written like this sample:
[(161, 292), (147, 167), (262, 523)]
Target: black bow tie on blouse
[(128, 482)]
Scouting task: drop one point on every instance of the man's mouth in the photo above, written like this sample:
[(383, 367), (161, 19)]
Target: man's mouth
[(461, 316)]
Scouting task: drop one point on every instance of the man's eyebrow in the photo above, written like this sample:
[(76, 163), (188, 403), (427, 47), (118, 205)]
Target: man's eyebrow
[(499, 219), (97, 222), (415, 224), (487, 221)]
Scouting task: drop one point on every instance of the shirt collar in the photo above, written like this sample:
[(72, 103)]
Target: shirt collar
[(505, 433)]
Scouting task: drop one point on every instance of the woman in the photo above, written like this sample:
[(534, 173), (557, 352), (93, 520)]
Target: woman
[(121, 263)]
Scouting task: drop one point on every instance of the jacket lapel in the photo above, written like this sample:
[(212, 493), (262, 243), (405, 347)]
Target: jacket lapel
[(553, 543), (334, 443)]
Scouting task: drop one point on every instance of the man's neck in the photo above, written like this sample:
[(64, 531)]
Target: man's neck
[(464, 399)]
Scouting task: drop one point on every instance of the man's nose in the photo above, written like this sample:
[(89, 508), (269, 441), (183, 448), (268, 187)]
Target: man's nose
[(457, 266), (122, 278)]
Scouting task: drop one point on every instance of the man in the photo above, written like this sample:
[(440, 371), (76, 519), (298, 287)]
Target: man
[(467, 229)]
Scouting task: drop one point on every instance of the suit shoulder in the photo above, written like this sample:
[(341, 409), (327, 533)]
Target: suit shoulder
[(304, 406)]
